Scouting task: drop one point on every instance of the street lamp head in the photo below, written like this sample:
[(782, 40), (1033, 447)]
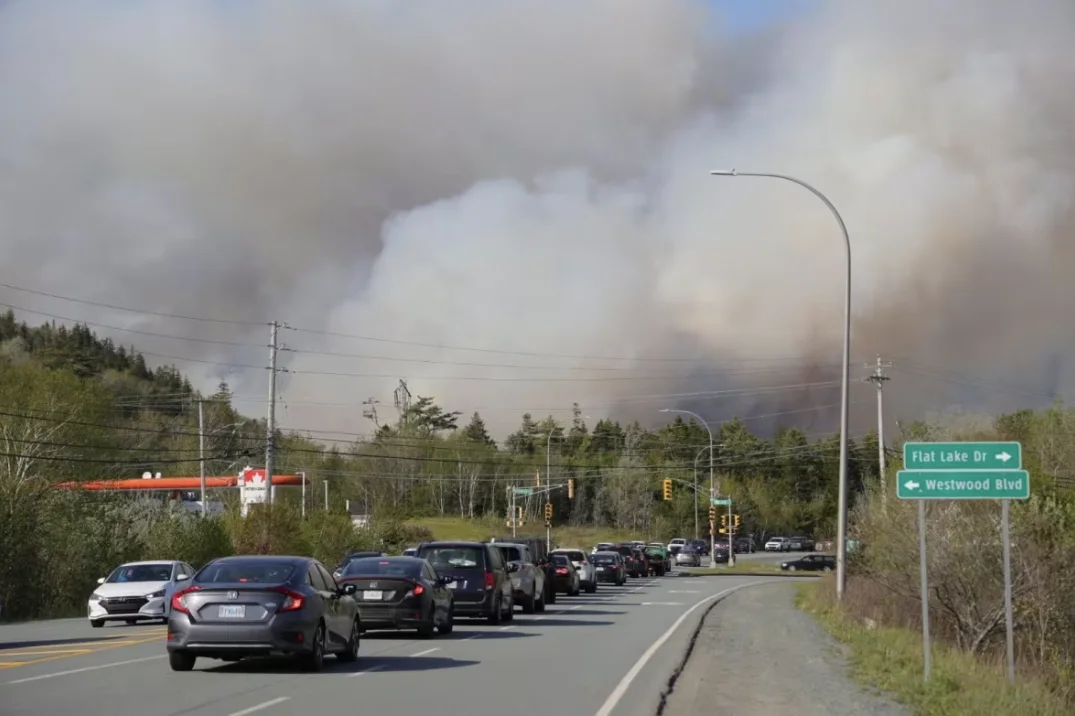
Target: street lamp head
[(723, 172)]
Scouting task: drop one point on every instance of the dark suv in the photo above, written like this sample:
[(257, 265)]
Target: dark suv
[(539, 550), (480, 582), (634, 563)]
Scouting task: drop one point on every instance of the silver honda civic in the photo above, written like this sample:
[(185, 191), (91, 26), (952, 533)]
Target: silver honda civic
[(242, 606)]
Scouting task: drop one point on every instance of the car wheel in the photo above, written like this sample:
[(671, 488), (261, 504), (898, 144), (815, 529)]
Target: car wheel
[(315, 659), (97, 623), (429, 626), (350, 653), (826, 569), (496, 612), (539, 605), (529, 602), (181, 660), (550, 593), (791, 567), (449, 623), (509, 614), (591, 587)]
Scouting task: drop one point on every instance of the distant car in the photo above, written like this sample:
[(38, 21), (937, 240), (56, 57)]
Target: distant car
[(778, 544), (137, 591), (410, 552), (400, 593), (586, 571), (744, 545), (667, 554), (701, 546), (801, 543), (352, 557), (609, 567), (656, 558), (602, 547), (676, 544), (635, 566), (688, 557), (811, 563), (481, 579), (528, 580), (263, 606), (539, 550), (566, 580)]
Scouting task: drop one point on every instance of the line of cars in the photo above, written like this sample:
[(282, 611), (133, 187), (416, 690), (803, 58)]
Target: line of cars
[(270, 605)]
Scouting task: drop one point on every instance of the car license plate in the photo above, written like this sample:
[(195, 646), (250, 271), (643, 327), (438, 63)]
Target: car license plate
[(600, 569), (232, 612), (372, 595), (454, 585)]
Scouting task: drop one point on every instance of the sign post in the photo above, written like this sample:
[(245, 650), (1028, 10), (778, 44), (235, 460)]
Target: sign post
[(965, 471)]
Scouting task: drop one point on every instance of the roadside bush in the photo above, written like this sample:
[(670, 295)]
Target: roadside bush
[(189, 537)]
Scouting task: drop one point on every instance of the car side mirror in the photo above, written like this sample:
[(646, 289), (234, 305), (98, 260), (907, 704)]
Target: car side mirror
[(182, 577), (348, 590), (101, 580), (513, 567)]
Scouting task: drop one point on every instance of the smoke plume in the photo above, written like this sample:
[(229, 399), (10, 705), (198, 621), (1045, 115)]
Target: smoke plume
[(530, 179)]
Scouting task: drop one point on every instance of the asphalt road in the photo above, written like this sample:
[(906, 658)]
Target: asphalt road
[(607, 654)]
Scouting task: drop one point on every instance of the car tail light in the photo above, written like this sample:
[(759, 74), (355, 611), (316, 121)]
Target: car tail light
[(178, 604), (490, 580), (293, 601), (418, 590), (561, 570)]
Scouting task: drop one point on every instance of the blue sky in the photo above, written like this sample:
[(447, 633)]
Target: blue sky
[(747, 15)]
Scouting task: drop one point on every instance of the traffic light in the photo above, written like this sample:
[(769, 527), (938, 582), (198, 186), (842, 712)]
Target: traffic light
[(548, 510), (537, 479), (666, 486), (712, 527), (712, 514), (519, 513), (571, 488), (723, 531), (723, 523), (735, 522)]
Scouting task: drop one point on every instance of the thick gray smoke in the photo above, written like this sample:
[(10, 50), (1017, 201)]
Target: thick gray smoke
[(532, 177)]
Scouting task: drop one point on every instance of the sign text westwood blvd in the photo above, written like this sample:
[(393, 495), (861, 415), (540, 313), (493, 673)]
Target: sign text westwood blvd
[(963, 456), (979, 485)]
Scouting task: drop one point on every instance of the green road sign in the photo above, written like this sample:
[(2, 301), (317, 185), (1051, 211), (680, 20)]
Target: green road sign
[(524, 490), (963, 485), (961, 457), (725, 502)]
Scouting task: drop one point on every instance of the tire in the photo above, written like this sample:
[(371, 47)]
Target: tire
[(449, 623), (315, 660), (791, 568), (826, 569), (509, 615), (496, 612), (181, 660), (429, 627), (550, 592), (97, 623), (575, 592), (591, 587), (350, 653), (539, 606), (529, 603)]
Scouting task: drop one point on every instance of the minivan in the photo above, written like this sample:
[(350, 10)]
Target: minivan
[(480, 581)]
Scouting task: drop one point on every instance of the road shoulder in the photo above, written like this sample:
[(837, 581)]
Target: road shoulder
[(756, 654)]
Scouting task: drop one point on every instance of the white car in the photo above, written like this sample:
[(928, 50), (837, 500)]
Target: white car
[(778, 544), (137, 591), (676, 545), (585, 568)]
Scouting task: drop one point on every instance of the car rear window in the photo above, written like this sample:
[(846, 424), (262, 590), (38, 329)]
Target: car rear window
[(575, 556), (511, 554), (257, 571), (604, 559), (561, 559), (381, 567), (624, 550), (457, 557)]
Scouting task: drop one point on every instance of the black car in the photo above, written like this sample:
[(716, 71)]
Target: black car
[(635, 567), (242, 606), (400, 593), (700, 546), (609, 567), (811, 563), (539, 550), (802, 543), (351, 557), (566, 576), (480, 579)]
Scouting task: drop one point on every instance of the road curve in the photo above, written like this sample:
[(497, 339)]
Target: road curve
[(608, 654)]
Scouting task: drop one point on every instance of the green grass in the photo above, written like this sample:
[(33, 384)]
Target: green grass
[(745, 569), (568, 536), (890, 660)]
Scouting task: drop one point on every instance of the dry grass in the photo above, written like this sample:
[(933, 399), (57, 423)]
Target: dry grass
[(890, 659)]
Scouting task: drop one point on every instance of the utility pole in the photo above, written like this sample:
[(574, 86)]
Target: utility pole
[(270, 443), (371, 413), (879, 378), (402, 398), (201, 453)]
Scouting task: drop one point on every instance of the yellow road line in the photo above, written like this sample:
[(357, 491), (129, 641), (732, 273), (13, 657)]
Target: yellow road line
[(102, 647), (46, 653)]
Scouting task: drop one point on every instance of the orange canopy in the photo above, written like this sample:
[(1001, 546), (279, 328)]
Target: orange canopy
[(176, 483)]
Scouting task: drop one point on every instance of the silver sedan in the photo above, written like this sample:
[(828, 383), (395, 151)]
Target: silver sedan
[(687, 557)]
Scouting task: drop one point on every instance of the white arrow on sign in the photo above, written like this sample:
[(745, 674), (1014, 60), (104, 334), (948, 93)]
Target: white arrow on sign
[(911, 485), (1004, 457)]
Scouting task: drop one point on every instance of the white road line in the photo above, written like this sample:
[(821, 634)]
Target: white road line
[(684, 591), (87, 668), (259, 707), (574, 608), (375, 667), (505, 628), (637, 589), (537, 619), (662, 604), (625, 683), (427, 651)]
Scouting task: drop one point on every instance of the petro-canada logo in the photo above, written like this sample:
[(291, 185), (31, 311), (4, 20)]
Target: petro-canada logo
[(253, 478)]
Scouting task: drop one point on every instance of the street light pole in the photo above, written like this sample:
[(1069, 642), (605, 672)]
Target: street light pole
[(712, 533), (845, 369), (710, 448)]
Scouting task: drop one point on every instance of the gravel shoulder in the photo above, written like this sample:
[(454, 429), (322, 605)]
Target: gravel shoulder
[(758, 655)]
